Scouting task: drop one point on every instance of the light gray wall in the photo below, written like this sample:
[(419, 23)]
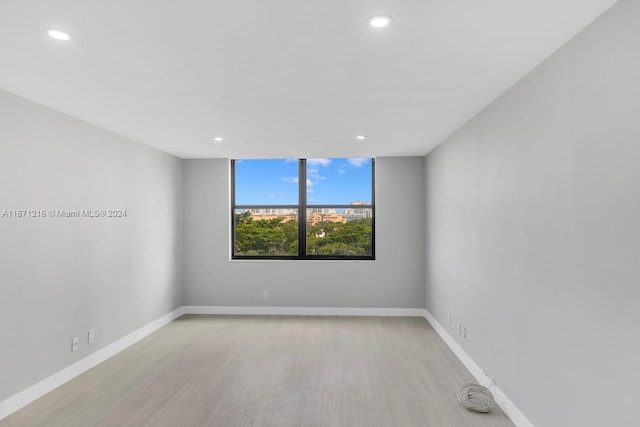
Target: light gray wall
[(533, 222), (394, 280), (60, 277)]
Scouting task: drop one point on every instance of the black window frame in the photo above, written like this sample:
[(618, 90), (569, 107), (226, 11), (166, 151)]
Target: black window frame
[(302, 207)]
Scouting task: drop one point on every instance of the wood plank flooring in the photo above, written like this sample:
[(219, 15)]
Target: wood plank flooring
[(230, 371)]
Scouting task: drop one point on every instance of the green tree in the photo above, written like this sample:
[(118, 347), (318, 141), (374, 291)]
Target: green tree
[(264, 237), (343, 239), (274, 237)]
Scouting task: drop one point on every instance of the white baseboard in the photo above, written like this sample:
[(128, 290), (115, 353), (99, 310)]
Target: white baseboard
[(305, 311), (511, 410), (15, 402), (36, 391)]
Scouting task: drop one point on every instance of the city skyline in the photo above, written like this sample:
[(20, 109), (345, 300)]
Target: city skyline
[(314, 215)]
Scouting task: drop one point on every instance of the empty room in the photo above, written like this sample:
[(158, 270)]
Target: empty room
[(304, 213)]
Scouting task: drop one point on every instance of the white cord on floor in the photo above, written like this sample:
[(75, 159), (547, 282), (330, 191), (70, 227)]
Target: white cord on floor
[(476, 398)]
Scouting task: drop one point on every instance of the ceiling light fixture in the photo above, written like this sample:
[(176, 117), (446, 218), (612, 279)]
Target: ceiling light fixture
[(361, 137), (218, 139), (58, 35), (379, 21)]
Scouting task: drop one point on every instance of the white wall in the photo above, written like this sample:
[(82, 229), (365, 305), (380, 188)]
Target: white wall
[(533, 223), (60, 277), (394, 280)]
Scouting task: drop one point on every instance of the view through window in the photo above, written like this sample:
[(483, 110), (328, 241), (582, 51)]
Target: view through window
[(303, 208)]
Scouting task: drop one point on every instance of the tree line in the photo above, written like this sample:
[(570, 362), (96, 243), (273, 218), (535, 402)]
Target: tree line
[(275, 237)]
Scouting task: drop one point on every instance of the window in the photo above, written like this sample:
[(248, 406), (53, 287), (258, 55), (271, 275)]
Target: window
[(303, 209)]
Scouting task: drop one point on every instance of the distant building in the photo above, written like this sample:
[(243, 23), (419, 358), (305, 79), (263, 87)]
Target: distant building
[(353, 214), (267, 214), (315, 218), (272, 211), (321, 211), (314, 215)]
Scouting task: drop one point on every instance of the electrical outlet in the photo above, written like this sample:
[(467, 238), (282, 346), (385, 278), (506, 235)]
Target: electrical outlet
[(464, 333), (488, 380), (459, 329), (91, 336), (75, 343), (265, 296), (449, 318)]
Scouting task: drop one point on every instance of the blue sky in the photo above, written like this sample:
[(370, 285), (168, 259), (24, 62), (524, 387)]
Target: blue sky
[(329, 181)]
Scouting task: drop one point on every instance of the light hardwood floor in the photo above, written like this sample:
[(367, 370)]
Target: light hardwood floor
[(270, 371)]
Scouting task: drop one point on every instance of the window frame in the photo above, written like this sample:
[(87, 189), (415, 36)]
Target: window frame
[(302, 207)]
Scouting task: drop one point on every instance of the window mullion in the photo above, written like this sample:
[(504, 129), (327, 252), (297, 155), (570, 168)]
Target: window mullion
[(233, 208), (302, 207)]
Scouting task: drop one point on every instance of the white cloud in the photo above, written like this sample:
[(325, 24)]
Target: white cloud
[(309, 190), (290, 160), (290, 179), (314, 173), (356, 163), (341, 171), (319, 162), (309, 183)]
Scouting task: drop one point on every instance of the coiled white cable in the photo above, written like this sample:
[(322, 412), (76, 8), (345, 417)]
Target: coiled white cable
[(476, 398)]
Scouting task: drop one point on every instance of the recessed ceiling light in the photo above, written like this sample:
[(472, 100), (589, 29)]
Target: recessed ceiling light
[(218, 139), (58, 35), (361, 137), (379, 21)]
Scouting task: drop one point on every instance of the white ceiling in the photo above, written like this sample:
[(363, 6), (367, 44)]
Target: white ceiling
[(280, 78)]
